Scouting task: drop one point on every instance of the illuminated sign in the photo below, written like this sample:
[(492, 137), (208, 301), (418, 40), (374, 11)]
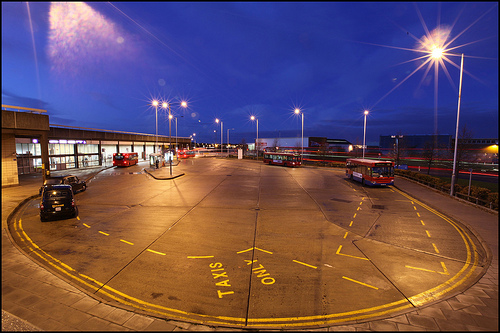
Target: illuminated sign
[(71, 142)]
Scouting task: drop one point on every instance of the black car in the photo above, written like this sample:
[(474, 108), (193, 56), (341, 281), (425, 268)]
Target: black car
[(57, 201), (77, 184)]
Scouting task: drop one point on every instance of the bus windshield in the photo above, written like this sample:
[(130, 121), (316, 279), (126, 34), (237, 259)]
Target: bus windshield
[(386, 171)]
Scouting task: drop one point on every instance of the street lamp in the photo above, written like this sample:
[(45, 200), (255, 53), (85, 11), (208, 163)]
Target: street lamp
[(364, 134), (257, 140), (297, 111), (217, 120), (170, 116), (155, 104), (453, 175)]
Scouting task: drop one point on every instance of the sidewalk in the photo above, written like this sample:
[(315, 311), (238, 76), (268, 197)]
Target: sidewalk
[(35, 299)]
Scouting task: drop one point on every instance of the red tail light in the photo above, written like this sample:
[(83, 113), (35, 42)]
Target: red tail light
[(73, 203), (41, 206)]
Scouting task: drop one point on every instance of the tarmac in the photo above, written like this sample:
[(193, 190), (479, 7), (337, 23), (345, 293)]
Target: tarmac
[(34, 299)]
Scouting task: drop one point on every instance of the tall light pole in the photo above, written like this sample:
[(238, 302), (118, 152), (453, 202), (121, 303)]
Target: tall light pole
[(217, 120), (364, 135), (453, 175), (257, 140), (297, 111), (155, 104), (170, 116)]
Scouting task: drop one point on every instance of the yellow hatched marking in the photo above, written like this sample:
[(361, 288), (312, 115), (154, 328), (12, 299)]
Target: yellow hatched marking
[(256, 248), (104, 233), (163, 254), (122, 240), (347, 255), (361, 283), (444, 272), (302, 263)]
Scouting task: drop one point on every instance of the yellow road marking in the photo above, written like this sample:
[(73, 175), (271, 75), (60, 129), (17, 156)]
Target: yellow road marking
[(199, 257), (122, 240), (256, 248), (350, 224), (78, 218), (435, 248), (163, 254), (444, 272), (347, 255), (361, 283), (422, 222), (354, 216), (345, 235), (86, 225), (102, 232), (302, 263), (427, 232)]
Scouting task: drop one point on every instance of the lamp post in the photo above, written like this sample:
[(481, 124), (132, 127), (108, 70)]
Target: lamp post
[(257, 140), (194, 138), (217, 120), (297, 111), (155, 104), (170, 116), (453, 175), (364, 135)]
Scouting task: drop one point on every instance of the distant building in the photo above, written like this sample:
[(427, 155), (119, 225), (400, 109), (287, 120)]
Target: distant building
[(337, 145)]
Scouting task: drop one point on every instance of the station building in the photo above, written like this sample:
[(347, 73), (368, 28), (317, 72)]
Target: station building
[(30, 144)]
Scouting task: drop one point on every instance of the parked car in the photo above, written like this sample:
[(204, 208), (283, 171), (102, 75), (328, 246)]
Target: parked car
[(57, 201), (77, 184)]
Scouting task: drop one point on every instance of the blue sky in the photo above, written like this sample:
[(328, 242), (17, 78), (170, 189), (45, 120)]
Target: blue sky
[(99, 65)]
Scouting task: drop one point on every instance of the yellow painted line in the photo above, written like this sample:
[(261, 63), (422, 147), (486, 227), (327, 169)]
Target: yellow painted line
[(350, 224), (415, 207), (78, 218), (422, 222), (102, 232), (435, 248), (418, 214), (163, 254), (263, 250), (199, 257), (86, 225), (444, 272), (347, 255), (303, 263), (354, 216), (256, 248), (428, 234), (122, 240), (361, 203), (358, 208), (361, 283), (345, 235)]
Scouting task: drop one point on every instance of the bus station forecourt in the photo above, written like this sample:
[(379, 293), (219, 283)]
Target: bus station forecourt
[(33, 298)]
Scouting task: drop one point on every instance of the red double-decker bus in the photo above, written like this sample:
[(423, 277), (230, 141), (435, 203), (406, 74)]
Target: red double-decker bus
[(283, 159), (125, 159), (370, 172)]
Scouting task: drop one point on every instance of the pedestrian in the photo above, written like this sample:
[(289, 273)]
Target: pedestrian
[(157, 163)]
